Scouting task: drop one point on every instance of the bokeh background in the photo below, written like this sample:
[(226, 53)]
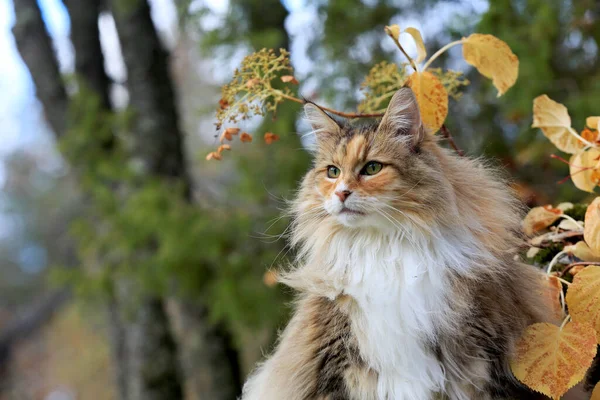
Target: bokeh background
[(130, 267)]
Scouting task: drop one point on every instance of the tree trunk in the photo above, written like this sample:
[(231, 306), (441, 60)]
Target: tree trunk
[(208, 356), (85, 36), (35, 48), (89, 68), (209, 360)]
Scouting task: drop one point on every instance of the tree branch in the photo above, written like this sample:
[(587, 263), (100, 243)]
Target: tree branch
[(448, 136)]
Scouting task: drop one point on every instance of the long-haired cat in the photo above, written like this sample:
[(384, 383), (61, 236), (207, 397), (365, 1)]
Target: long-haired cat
[(409, 288)]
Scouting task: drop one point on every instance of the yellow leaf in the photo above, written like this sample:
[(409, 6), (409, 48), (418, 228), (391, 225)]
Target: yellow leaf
[(593, 122), (551, 360), (576, 269), (552, 295), (554, 121), (583, 298), (393, 31), (582, 166), (569, 225), (596, 393), (432, 99), (493, 59), (582, 251), (539, 218), (416, 35), (566, 206), (591, 231)]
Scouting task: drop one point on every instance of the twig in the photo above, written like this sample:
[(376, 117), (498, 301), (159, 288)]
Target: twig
[(332, 111), (574, 264), (448, 136)]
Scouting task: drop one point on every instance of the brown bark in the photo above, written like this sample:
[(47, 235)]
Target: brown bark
[(35, 48)]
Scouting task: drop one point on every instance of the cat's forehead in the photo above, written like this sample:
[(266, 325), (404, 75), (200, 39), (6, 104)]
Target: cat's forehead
[(353, 144)]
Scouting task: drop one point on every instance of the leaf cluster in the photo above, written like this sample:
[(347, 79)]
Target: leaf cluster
[(550, 358)]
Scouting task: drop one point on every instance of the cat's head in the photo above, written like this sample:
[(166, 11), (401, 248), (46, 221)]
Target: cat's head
[(380, 175)]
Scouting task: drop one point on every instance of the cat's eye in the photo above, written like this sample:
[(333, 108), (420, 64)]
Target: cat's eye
[(333, 172), (372, 168)]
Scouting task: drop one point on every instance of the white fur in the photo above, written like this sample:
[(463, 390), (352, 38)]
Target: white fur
[(398, 278)]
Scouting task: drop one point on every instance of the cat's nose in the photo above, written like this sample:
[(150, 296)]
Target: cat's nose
[(343, 195)]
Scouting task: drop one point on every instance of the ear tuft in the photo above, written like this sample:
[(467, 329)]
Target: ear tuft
[(403, 118), (320, 121)]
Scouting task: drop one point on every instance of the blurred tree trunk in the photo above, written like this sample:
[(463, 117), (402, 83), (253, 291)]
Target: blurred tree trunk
[(35, 48), (213, 371), (149, 352), (89, 68), (85, 36)]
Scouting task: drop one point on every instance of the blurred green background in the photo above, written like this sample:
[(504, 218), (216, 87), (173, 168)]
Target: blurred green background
[(131, 268)]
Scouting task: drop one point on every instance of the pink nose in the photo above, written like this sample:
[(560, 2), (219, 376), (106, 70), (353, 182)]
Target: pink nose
[(343, 195)]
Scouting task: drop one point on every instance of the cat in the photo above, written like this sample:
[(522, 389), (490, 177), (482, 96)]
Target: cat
[(406, 270)]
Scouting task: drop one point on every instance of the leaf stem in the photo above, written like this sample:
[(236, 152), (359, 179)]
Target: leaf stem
[(574, 133), (410, 60), (439, 52), (567, 319), (554, 261), (563, 281)]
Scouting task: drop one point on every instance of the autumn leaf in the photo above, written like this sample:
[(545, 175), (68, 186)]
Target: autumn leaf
[(431, 97), (576, 269), (593, 122), (583, 298), (596, 392), (416, 35), (245, 137), (271, 137), (228, 134), (551, 360), (566, 206), (591, 135), (583, 169), (552, 295), (569, 225), (223, 147), (539, 218), (493, 59), (582, 251), (393, 31), (289, 79), (591, 231), (554, 121), (213, 155)]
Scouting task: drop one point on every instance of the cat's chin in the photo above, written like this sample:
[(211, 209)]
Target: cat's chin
[(354, 219)]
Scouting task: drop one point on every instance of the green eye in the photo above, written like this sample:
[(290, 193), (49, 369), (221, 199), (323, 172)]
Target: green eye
[(333, 172), (372, 168)]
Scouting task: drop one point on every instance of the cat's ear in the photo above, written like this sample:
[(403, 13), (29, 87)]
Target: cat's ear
[(402, 118), (322, 124)]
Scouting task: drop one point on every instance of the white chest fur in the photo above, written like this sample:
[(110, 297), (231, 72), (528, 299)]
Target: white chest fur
[(401, 290)]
